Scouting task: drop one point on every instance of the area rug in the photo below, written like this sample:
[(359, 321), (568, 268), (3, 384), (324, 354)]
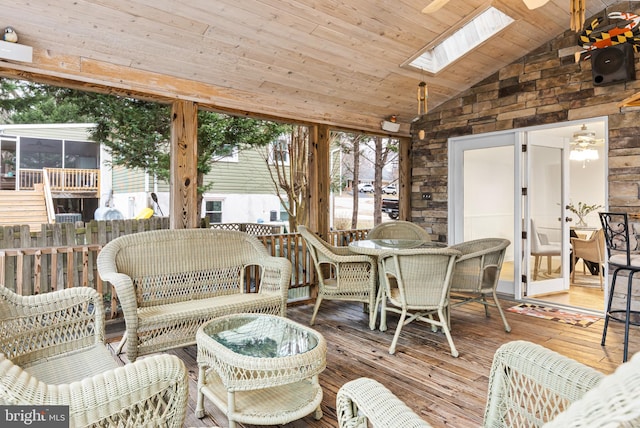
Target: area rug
[(554, 314)]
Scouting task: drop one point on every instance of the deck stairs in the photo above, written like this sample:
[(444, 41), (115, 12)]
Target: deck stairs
[(23, 207)]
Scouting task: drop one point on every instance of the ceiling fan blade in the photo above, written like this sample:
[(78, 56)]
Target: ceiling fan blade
[(534, 4), (434, 6)]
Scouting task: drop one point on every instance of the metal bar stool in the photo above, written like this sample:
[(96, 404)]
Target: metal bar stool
[(621, 257)]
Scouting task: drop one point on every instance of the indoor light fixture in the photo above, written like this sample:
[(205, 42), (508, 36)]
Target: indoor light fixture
[(583, 144)]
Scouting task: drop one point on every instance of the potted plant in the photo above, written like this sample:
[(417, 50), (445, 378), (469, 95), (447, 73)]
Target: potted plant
[(582, 210)]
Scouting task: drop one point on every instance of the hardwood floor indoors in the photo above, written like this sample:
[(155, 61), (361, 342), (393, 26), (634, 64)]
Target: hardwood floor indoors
[(584, 294), (443, 390)]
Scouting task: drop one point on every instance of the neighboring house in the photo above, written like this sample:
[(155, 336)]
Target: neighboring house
[(82, 179), (66, 152), (242, 191)]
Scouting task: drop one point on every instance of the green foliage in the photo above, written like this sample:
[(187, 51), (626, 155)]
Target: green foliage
[(582, 209), (136, 132)]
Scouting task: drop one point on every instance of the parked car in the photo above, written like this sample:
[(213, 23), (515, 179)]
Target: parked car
[(389, 189), (366, 187), (391, 207)]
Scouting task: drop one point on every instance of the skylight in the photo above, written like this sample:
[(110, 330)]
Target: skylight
[(470, 35)]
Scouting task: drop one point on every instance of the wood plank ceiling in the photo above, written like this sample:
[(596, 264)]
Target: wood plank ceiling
[(335, 62)]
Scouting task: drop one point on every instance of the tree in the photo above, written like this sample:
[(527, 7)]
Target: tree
[(349, 144), (378, 156), (383, 150), (136, 132), (288, 164)]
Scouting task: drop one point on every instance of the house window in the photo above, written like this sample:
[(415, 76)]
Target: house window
[(213, 211), (280, 151), (227, 154), (284, 214)]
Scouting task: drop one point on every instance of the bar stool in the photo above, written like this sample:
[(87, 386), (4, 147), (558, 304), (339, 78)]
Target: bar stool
[(620, 257)]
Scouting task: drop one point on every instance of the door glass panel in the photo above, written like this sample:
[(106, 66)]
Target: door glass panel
[(547, 262), (487, 172)]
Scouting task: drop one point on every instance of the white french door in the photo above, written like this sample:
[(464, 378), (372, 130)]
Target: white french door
[(483, 176), (544, 198)]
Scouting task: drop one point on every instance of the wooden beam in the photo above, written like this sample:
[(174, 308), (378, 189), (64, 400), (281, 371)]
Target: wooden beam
[(184, 165), (404, 179), (319, 180), (103, 77)]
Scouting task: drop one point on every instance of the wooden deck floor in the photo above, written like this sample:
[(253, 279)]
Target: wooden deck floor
[(445, 391)]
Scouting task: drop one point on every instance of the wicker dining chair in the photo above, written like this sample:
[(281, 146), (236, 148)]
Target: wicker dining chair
[(342, 275), (52, 352), (476, 274), (399, 230), (591, 250), (529, 386), (416, 285)]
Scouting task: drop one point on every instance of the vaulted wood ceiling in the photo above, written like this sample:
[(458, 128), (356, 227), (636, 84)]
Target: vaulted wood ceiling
[(336, 62)]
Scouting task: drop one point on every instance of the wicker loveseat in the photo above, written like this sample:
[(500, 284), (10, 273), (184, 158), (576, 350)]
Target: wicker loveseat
[(52, 352), (169, 282)]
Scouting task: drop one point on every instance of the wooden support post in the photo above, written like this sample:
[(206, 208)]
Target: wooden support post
[(184, 165), (404, 179), (319, 180)]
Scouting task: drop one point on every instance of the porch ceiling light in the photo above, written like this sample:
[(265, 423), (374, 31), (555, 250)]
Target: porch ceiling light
[(423, 94)]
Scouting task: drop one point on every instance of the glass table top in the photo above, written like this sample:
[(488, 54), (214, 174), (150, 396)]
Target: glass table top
[(262, 336), (397, 244)]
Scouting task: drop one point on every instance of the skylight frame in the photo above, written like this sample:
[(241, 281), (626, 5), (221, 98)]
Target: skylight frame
[(436, 56)]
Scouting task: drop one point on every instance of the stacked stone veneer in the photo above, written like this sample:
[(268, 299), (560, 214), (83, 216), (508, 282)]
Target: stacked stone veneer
[(545, 86)]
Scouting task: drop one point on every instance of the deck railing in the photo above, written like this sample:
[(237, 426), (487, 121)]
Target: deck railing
[(64, 255), (62, 179)]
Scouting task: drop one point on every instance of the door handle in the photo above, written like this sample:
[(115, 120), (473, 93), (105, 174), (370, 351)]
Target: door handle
[(568, 219)]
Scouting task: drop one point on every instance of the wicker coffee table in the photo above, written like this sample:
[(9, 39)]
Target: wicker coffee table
[(260, 369)]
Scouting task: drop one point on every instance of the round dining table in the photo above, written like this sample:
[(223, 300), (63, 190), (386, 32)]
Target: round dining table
[(375, 247)]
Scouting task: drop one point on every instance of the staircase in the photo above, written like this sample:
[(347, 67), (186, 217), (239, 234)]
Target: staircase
[(23, 207)]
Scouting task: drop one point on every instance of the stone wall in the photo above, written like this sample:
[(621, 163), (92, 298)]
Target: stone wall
[(545, 86)]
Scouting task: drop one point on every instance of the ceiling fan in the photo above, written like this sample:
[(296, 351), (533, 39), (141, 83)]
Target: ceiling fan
[(435, 5)]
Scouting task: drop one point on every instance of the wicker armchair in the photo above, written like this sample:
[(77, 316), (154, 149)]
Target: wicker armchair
[(398, 230), (342, 275), (477, 272), (416, 285), (529, 386), (169, 282), (366, 402), (52, 352)]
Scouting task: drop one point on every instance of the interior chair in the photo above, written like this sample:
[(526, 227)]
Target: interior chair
[(622, 256), (476, 273), (416, 285), (541, 247), (592, 250), (529, 386), (52, 352), (342, 275), (399, 229)]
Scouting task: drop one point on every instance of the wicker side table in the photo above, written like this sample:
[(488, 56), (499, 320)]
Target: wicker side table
[(260, 369)]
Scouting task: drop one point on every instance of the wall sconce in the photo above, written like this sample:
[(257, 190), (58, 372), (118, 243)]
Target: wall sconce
[(421, 134), (423, 94)]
